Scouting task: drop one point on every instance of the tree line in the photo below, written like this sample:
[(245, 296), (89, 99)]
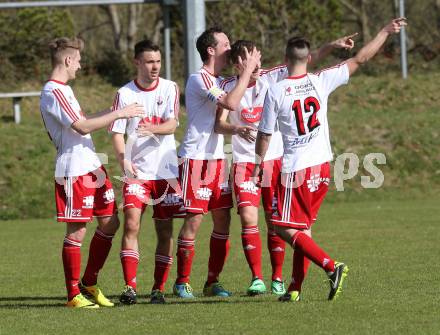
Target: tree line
[(111, 31)]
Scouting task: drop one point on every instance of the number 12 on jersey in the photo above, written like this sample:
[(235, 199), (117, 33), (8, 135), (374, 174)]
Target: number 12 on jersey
[(311, 105)]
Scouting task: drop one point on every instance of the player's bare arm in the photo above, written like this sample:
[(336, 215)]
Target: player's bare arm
[(222, 126), (88, 125), (346, 42), (246, 66), (371, 49), (127, 167), (261, 146), (166, 128)]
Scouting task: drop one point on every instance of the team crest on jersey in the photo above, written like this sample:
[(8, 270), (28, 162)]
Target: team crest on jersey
[(315, 180), (159, 100), (203, 193), (109, 196), (172, 199), (251, 115), (249, 187), (88, 201), (288, 91)]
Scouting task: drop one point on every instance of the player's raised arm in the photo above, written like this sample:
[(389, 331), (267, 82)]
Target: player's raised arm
[(245, 67), (346, 42), (371, 48), (88, 125)]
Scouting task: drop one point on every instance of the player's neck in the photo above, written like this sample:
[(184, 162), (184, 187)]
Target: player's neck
[(297, 70), (60, 75), (145, 83), (211, 67)]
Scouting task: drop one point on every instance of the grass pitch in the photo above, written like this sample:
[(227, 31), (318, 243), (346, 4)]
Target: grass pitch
[(390, 246)]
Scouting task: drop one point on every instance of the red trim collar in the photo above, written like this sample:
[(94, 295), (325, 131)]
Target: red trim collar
[(212, 74), (297, 77), (57, 81), (146, 89)]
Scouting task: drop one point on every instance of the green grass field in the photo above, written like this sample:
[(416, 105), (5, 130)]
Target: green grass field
[(390, 245)]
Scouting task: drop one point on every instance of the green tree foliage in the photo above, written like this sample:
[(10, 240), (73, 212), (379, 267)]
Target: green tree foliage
[(26, 33)]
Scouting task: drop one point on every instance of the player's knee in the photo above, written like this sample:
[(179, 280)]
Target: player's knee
[(131, 226), (249, 216)]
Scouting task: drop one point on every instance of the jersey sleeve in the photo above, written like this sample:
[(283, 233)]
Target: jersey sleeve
[(207, 87), (119, 125), (61, 109), (275, 74), (270, 113), (173, 104), (331, 78)]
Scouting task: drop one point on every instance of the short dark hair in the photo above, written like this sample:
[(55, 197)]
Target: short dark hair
[(297, 49), (237, 49), (144, 45), (206, 40)]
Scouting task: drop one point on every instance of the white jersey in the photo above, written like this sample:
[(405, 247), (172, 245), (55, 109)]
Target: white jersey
[(251, 107), (202, 94), (75, 152), (155, 157), (299, 106)]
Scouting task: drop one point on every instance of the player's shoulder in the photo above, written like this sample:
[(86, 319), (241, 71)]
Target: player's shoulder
[(329, 69), (228, 82), (167, 84), (281, 68), (128, 87)]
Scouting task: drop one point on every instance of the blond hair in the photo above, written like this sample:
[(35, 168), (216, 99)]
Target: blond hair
[(61, 47)]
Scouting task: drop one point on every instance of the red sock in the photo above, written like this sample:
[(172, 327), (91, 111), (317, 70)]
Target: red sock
[(312, 251), (276, 247), (129, 261), (185, 254), (99, 250), (250, 239), (72, 266), (299, 270), (218, 252), (161, 270)]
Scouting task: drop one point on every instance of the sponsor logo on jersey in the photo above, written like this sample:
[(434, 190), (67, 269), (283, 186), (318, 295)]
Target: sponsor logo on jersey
[(249, 187), (88, 201), (159, 100), (203, 193), (306, 139), (251, 115)]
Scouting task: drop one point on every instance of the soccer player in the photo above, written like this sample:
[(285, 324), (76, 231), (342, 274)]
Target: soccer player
[(203, 168), (242, 126), (298, 107), (149, 162), (82, 188)]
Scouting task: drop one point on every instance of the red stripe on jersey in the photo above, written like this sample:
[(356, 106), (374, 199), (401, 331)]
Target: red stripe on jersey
[(176, 103), (65, 105), (328, 68), (226, 81), (205, 80), (273, 68)]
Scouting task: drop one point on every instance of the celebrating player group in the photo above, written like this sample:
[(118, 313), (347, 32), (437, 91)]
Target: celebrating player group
[(277, 118)]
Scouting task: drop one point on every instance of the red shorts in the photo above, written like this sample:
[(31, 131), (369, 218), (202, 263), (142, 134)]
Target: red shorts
[(79, 199), (205, 184), (299, 195), (165, 196), (246, 193)]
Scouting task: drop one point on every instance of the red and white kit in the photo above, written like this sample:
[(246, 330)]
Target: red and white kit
[(203, 169), (243, 152), (154, 157), (298, 106), (82, 187)]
